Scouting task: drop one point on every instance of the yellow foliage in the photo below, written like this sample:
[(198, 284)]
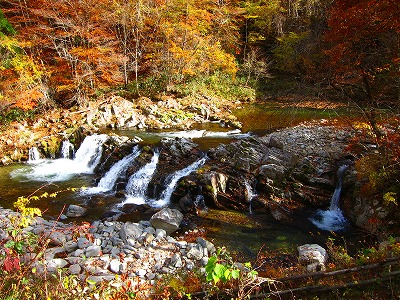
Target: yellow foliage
[(389, 197)]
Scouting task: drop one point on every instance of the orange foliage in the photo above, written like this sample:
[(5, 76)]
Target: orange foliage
[(29, 99)]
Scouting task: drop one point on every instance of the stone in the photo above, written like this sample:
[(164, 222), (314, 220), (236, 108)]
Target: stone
[(314, 256), (57, 238), (195, 253), (130, 231), (207, 245), (176, 261), (56, 263), (70, 246), (93, 251), (75, 211), (160, 233), (51, 252), (141, 272), (83, 243), (167, 219), (116, 266), (74, 269)]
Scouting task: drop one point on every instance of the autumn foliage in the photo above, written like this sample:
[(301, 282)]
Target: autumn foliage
[(71, 51), (363, 47)]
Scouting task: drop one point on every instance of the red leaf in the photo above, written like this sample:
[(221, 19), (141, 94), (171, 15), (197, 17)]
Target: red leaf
[(11, 264)]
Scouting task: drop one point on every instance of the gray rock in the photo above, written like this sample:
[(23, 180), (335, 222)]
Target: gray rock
[(75, 211), (130, 231), (70, 246), (160, 233), (313, 255), (167, 219), (93, 251), (206, 244), (57, 238), (116, 266), (195, 253), (51, 252), (75, 269), (176, 261), (57, 263), (84, 243), (141, 272)]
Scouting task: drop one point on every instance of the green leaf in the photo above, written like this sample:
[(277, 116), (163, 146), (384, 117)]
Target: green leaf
[(227, 275), (216, 278), (92, 282), (219, 270), (235, 273)]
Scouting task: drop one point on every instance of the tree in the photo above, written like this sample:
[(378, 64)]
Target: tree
[(364, 42)]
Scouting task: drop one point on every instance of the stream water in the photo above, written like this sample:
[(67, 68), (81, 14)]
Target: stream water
[(244, 232)]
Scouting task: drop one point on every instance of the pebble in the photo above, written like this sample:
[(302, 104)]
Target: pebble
[(115, 248)]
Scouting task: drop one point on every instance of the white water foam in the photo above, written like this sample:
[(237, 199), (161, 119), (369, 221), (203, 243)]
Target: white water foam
[(165, 196), (67, 149), (138, 183), (107, 182), (333, 218), (196, 134), (33, 155), (86, 159)]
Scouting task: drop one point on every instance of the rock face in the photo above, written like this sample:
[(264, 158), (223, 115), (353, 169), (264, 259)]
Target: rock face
[(167, 219), (288, 169)]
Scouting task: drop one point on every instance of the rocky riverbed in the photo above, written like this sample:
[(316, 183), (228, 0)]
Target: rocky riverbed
[(103, 249)]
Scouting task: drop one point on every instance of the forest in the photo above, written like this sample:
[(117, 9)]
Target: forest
[(63, 53)]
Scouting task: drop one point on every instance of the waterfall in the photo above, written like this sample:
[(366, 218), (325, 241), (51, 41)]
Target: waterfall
[(67, 149), (172, 182), (33, 155), (249, 195), (109, 179), (333, 218), (86, 159), (89, 153), (138, 183)]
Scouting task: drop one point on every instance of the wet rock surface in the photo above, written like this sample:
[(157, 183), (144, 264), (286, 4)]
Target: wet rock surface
[(288, 169)]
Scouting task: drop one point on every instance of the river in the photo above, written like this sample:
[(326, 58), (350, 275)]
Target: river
[(243, 232)]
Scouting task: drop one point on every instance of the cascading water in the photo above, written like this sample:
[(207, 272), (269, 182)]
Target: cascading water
[(107, 182), (249, 195), (138, 183), (89, 153), (332, 219), (86, 159), (67, 149), (33, 155), (165, 196)]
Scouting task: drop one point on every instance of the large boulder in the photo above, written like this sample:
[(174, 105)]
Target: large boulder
[(167, 219), (313, 256)]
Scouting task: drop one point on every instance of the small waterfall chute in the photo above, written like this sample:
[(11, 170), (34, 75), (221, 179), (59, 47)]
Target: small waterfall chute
[(33, 155), (172, 181), (138, 183), (90, 151), (250, 195), (107, 182), (332, 219), (67, 149), (86, 159)]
